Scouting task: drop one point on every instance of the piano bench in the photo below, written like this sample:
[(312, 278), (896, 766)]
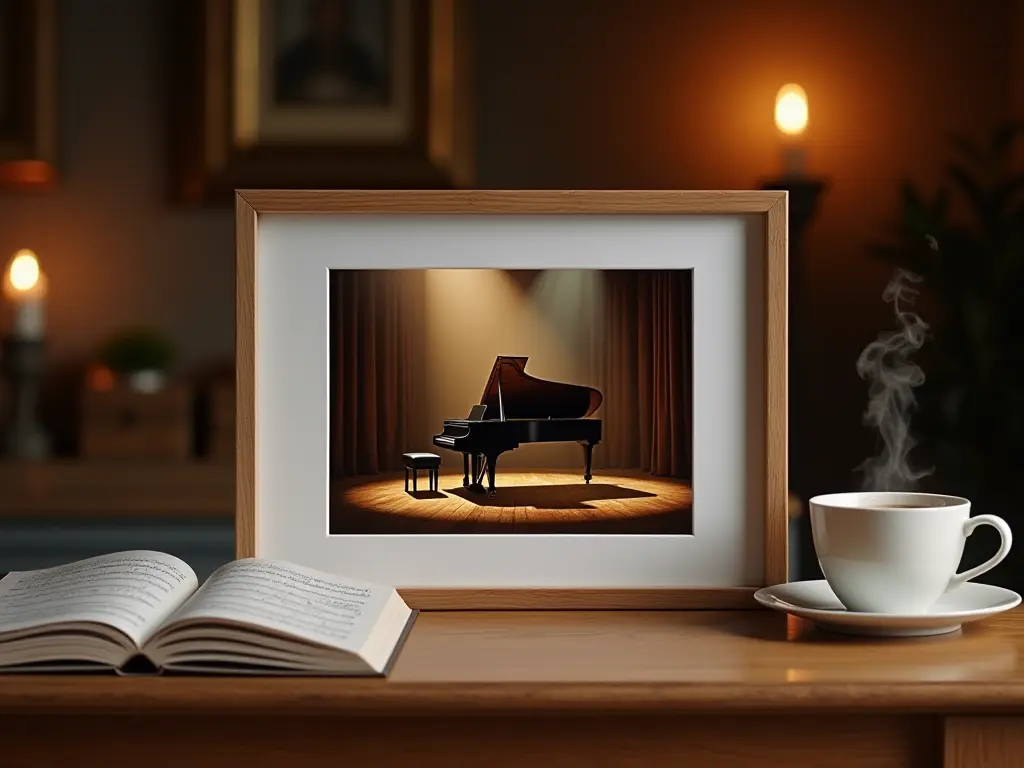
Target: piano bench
[(416, 461)]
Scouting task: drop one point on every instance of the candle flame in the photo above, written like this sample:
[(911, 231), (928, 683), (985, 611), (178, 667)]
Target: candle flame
[(23, 272), (791, 109)]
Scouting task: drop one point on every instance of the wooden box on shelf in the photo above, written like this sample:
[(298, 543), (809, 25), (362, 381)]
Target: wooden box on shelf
[(221, 446), (119, 422)]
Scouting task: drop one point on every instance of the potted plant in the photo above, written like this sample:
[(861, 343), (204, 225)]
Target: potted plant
[(966, 240), (142, 357)]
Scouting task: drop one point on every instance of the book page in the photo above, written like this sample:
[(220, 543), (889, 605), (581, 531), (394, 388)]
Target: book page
[(301, 602), (130, 591)]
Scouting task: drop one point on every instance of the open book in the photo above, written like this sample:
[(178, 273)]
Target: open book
[(141, 611)]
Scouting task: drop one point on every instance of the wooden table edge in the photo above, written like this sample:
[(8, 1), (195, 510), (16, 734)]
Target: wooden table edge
[(26, 694)]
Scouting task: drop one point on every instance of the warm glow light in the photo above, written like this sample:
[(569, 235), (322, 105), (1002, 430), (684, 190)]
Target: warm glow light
[(791, 109), (100, 379), (23, 272)]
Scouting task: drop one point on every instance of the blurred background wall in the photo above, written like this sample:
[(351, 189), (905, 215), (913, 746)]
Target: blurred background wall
[(568, 94)]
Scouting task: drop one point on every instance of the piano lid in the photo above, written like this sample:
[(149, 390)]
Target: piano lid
[(511, 393)]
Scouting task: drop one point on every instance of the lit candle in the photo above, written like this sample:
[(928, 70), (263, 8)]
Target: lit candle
[(25, 291), (791, 120)]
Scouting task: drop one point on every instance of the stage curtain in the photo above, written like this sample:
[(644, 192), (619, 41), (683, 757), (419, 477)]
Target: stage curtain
[(646, 359), (377, 359)]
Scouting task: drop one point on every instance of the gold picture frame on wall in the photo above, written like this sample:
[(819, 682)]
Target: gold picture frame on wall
[(28, 93), (289, 320), (320, 94)]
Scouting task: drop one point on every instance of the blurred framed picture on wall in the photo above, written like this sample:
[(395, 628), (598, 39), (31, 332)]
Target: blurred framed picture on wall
[(28, 130), (320, 94), (327, 68)]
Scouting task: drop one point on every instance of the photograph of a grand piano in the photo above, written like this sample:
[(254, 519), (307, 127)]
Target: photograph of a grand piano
[(483, 401), (516, 409)]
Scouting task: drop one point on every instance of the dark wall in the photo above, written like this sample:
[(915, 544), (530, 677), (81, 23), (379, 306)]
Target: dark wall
[(666, 93), (575, 93)]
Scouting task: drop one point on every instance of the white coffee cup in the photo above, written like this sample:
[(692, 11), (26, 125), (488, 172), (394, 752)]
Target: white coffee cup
[(896, 552)]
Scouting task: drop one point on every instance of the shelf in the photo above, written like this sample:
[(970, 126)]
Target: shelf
[(121, 489)]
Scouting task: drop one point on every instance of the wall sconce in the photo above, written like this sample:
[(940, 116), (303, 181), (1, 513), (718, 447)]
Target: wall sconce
[(792, 116)]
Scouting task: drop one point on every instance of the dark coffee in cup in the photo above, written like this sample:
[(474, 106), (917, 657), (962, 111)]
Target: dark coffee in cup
[(897, 506)]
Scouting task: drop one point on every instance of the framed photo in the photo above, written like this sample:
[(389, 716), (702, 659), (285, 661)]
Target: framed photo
[(28, 84), (516, 399), (321, 93)]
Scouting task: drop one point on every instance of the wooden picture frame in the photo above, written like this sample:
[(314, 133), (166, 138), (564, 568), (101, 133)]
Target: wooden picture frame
[(224, 138), (28, 93), (763, 214)]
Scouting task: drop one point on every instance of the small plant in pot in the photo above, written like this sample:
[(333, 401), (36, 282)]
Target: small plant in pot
[(141, 357)]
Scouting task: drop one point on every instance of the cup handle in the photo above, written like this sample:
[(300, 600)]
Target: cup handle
[(1005, 542)]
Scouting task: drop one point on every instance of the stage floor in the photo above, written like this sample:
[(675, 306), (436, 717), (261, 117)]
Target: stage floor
[(615, 501)]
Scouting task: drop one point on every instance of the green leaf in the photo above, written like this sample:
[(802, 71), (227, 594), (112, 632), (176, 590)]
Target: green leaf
[(968, 150), (915, 211), (972, 189), (1004, 138), (940, 207), (909, 195), (137, 349), (1006, 193)]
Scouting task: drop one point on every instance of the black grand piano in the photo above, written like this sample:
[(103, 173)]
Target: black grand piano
[(516, 408)]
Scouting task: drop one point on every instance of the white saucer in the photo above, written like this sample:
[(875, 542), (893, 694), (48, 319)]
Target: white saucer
[(816, 601)]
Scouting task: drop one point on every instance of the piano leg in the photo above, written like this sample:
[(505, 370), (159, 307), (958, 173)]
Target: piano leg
[(491, 462), (588, 455), (465, 470), (475, 484)]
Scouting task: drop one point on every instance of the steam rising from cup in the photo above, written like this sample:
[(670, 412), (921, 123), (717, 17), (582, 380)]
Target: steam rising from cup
[(885, 363)]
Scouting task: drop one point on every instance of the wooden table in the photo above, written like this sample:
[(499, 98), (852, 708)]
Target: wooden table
[(700, 689)]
